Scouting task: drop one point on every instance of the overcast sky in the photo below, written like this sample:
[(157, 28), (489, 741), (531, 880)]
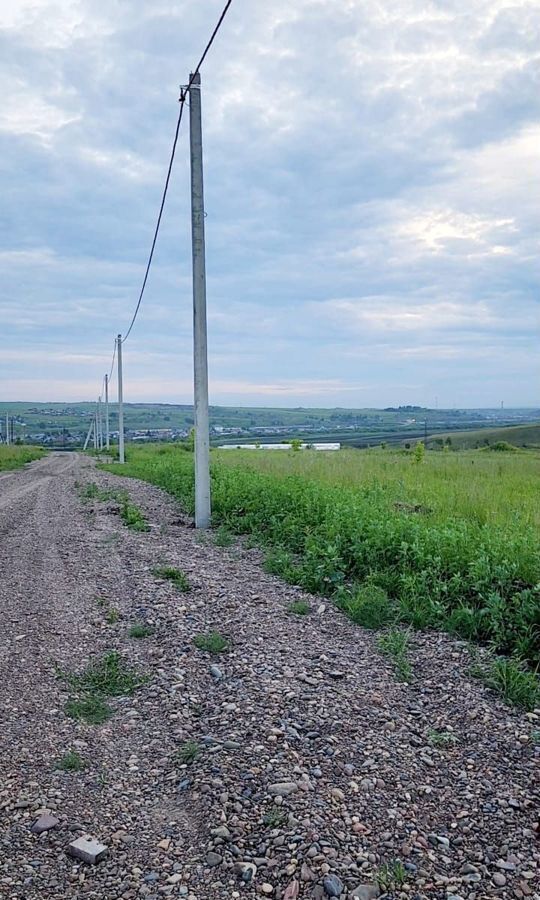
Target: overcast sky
[(372, 182)]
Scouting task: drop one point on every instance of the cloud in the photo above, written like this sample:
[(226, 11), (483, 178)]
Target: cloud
[(372, 226)]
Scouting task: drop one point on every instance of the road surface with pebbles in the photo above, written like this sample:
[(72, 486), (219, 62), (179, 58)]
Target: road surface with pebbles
[(316, 773)]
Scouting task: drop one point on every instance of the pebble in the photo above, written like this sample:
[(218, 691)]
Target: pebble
[(44, 823), (213, 859), (499, 879), (282, 788), (333, 886), (87, 849), (366, 892)]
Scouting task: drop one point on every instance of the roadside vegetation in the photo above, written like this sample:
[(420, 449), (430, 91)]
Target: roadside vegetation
[(444, 539), (106, 676), (13, 456)]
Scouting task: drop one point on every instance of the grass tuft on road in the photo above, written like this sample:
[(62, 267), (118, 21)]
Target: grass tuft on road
[(71, 761), (140, 630), (176, 576), (395, 645), (211, 642)]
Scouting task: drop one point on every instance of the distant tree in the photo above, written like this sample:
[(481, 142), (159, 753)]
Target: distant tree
[(296, 444)]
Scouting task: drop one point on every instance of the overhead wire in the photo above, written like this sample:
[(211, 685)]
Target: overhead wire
[(182, 101)]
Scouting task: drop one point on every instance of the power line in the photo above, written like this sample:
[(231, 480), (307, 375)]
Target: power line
[(171, 160)]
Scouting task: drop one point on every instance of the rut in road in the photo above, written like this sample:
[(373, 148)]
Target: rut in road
[(315, 772)]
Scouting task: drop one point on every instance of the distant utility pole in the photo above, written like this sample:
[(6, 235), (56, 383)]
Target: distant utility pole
[(107, 437), (7, 428), (95, 432), (200, 351), (99, 425), (88, 435), (121, 452)]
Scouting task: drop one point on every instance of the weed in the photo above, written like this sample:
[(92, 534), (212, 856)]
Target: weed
[(513, 681), (71, 762), (299, 608), (102, 602), (178, 578), (212, 642), (112, 616), (367, 605), (139, 630), (391, 875), (109, 676), (275, 817), (223, 537), (535, 737), (188, 753), (329, 522), (133, 517), (91, 709), (395, 644), (441, 739)]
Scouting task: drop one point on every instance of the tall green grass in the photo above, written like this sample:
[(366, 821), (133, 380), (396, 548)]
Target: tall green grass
[(451, 541), (14, 456)]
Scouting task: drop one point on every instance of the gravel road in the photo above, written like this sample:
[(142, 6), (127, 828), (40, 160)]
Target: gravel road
[(316, 769)]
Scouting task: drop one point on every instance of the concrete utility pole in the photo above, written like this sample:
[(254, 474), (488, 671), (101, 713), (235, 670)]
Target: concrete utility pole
[(121, 452), (107, 437), (200, 352), (95, 431), (7, 428), (88, 436), (100, 425)]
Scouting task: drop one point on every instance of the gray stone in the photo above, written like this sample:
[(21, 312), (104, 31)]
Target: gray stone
[(222, 832), (333, 886), (499, 879), (87, 849), (44, 823), (366, 892), (216, 673), (282, 788), (213, 859)]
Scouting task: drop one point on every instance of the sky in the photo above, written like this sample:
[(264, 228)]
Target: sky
[(371, 192)]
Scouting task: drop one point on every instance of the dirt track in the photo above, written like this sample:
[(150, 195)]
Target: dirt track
[(306, 701)]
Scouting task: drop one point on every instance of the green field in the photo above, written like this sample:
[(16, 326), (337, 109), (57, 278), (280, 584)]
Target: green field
[(518, 435), (14, 456), (448, 541)]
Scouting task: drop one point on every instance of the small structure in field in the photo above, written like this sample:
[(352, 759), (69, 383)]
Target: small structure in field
[(303, 446)]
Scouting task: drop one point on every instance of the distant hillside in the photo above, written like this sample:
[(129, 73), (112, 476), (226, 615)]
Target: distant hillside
[(518, 435)]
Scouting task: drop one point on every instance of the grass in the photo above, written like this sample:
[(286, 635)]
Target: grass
[(107, 676), (133, 517), (92, 709), (449, 542), (391, 875), (178, 578), (71, 761), (274, 817), (13, 456), (395, 645), (299, 608), (223, 537), (139, 630), (188, 753), (511, 679), (211, 642), (443, 740), (112, 616)]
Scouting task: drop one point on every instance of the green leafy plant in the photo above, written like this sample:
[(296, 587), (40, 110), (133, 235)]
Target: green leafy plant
[(512, 680), (395, 645), (140, 630), (71, 761), (444, 740), (299, 608), (368, 605), (91, 708), (133, 517), (188, 753), (391, 875), (275, 817), (176, 576), (112, 616), (223, 537), (212, 642)]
